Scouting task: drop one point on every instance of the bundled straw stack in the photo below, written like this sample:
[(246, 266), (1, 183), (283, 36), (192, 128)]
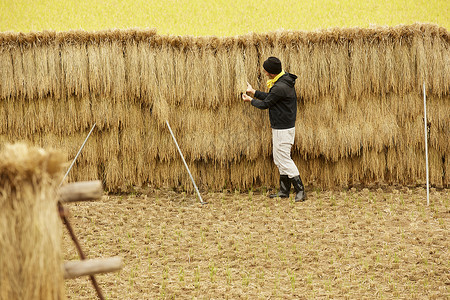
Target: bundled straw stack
[(30, 228), (360, 118)]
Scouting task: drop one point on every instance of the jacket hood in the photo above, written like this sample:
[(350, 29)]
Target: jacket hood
[(289, 79)]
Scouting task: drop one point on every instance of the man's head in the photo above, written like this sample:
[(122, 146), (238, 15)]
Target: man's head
[(272, 66)]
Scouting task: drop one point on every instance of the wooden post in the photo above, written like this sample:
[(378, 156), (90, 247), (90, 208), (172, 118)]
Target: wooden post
[(81, 191), (426, 142), (73, 269)]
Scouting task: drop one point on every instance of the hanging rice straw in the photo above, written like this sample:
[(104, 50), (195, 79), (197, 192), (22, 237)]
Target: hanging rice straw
[(359, 94)]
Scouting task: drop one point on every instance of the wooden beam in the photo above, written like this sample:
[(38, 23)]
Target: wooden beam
[(73, 269), (81, 191)]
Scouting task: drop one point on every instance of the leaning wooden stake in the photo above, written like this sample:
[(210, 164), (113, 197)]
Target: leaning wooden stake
[(79, 151), (185, 164), (426, 142), (62, 214)]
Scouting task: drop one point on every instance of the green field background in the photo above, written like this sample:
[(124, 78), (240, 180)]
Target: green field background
[(216, 17)]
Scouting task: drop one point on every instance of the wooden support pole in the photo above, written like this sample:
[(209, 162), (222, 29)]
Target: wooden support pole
[(426, 141), (66, 222), (73, 269), (63, 212), (81, 191)]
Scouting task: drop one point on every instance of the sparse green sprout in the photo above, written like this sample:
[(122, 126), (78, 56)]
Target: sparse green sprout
[(212, 272), (245, 278), (292, 278), (197, 278), (181, 274), (228, 274)]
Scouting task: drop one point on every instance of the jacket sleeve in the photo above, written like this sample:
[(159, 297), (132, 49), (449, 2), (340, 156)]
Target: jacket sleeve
[(260, 95), (267, 102)]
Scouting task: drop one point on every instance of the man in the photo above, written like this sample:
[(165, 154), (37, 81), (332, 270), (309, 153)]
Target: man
[(281, 100)]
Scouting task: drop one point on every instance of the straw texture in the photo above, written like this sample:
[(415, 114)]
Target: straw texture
[(360, 113), (30, 228)]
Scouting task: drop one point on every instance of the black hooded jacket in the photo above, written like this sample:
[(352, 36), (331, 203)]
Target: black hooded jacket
[(281, 102)]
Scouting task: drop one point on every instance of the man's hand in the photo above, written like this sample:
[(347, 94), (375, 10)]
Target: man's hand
[(250, 91), (246, 98)]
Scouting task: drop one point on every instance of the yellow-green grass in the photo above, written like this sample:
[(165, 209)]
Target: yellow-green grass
[(220, 17)]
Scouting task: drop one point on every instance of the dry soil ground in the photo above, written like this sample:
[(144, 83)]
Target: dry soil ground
[(354, 244)]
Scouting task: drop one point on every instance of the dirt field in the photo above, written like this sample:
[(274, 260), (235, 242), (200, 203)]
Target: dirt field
[(355, 244)]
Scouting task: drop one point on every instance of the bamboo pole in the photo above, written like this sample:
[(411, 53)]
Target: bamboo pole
[(185, 164), (426, 142), (79, 151)]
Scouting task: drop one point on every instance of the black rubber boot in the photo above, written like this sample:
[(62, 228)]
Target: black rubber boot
[(300, 194), (285, 187)]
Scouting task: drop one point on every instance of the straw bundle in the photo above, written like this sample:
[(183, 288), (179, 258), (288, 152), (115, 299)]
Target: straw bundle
[(30, 229), (30, 121), (300, 65), (43, 84), (212, 97), (359, 65), (112, 177), (133, 67), (224, 66), (54, 70), (15, 113), (106, 69), (86, 172), (3, 118), (7, 85), (148, 80), (249, 49), (18, 71), (446, 168), (437, 168), (404, 69), (74, 62), (164, 70), (192, 76), (439, 113), (45, 115)]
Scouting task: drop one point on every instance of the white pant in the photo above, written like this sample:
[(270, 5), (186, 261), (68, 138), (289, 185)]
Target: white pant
[(282, 140)]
